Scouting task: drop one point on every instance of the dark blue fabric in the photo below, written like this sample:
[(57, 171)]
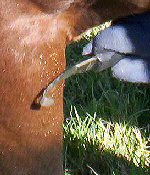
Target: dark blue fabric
[(131, 38)]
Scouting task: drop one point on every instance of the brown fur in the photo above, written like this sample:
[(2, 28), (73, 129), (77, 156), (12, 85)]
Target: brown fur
[(33, 38)]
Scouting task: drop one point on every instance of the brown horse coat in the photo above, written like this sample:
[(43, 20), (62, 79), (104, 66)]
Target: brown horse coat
[(33, 38)]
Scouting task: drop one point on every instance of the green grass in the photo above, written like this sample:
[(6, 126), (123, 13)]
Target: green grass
[(106, 123)]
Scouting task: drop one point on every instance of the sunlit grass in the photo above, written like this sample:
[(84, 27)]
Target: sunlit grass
[(89, 135), (106, 122)]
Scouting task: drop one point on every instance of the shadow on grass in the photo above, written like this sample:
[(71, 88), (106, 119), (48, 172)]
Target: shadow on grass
[(89, 159), (113, 101)]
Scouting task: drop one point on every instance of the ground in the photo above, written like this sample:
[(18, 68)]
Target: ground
[(106, 122)]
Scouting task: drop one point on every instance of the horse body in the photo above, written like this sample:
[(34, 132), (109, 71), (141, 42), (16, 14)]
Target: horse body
[(33, 53), (34, 35)]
